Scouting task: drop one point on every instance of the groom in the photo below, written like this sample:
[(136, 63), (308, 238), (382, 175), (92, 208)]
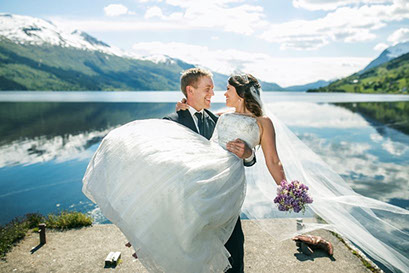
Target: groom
[(197, 86)]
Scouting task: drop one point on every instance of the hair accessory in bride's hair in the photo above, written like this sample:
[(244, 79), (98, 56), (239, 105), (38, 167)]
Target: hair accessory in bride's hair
[(244, 77), (256, 93), (253, 91)]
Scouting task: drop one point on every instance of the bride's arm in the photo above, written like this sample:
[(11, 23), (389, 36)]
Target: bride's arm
[(268, 144)]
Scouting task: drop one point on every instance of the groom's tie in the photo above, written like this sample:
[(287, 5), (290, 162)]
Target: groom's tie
[(200, 122)]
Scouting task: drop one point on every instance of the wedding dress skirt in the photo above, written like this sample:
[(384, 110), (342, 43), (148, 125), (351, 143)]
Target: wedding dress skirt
[(175, 195)]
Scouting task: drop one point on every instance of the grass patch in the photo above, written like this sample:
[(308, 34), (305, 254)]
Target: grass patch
[(67, 220), (16, 230)]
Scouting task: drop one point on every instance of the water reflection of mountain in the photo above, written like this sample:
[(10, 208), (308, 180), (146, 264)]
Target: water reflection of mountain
[(30, 120), (56, 148), (380, 114)]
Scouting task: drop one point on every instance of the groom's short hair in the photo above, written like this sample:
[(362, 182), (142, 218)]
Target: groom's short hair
[(192, 76)]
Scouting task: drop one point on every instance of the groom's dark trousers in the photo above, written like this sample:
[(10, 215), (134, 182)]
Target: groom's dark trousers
[(235, 244)]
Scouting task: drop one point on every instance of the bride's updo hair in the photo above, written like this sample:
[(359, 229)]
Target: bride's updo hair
[(243, 84)]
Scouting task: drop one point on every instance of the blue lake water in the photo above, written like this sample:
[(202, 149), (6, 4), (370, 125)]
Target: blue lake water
[(47, 139), (172, 96)]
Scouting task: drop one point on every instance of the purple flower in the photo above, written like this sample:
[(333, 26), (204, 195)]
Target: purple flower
[(292, 196)]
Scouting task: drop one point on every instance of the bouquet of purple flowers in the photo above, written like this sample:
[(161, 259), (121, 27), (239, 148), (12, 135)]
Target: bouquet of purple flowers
[(292, 196)]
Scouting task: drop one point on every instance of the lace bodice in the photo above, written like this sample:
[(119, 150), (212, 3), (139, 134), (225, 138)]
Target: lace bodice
[(231, 126)]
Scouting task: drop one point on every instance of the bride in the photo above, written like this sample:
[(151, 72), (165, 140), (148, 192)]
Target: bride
[(176, 196)]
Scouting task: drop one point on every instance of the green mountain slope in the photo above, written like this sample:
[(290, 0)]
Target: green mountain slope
[(28, 67), (46, 67), (390, 77)]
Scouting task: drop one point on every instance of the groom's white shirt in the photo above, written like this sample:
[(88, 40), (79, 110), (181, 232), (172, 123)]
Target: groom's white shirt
[(193, 111)]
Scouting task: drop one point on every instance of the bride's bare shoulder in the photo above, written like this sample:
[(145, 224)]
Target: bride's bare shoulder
[(264, 120), (265, 124)]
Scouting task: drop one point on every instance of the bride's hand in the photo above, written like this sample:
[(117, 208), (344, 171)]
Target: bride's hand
[(182, 105)]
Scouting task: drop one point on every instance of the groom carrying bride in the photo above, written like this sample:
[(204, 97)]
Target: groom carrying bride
[(197, 86), (180, 211)]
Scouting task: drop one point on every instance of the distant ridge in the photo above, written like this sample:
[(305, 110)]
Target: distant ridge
[(305, 87)]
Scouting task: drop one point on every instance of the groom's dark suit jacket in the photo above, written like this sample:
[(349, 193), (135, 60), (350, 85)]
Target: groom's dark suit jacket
[(235, 244), (185, 118)]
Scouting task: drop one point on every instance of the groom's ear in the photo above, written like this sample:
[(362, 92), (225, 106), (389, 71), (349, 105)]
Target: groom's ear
[(189, 91)]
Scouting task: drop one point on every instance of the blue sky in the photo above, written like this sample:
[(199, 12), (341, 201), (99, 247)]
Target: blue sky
[(284, 41)]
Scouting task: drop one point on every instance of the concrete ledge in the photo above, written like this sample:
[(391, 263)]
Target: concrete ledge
[(85, 249)]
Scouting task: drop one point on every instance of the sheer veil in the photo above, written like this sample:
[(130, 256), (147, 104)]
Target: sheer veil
[(377, 228)]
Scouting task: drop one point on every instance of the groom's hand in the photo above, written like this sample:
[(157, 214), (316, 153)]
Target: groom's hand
[(239, 148), (182, 105)]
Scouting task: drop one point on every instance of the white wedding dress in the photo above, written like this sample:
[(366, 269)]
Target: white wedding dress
[(175, 195)]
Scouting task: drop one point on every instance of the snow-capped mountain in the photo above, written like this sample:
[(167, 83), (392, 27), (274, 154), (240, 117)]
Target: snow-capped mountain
[(159, 59), (389, 54), (35, 31), (398, 50)]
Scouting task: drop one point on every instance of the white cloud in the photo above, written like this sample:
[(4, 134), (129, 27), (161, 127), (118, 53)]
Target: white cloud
[(400, 35), (381, 47), (203, 4), (153, 12), (350, 20), (117, 25), (116, 10), (347, 24), (224, 15), (332, 4), (228, 15), (303, 43), (284, 71)]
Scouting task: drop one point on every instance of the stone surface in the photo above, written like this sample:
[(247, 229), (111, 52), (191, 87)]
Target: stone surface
[(85, 250)]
